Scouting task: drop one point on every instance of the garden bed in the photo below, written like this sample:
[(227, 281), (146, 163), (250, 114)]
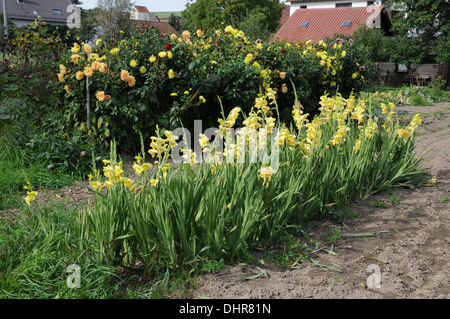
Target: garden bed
[(411, 234)]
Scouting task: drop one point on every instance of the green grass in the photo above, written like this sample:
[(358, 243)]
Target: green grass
[(16, 165), (166, 14)]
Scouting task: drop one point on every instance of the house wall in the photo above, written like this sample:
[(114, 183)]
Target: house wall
[(325, 4), (136, 15)]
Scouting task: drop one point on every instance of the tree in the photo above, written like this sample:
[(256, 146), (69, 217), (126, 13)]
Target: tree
[(114, 17), (175, 21), (212, 13), (428, 21), (88, 29)]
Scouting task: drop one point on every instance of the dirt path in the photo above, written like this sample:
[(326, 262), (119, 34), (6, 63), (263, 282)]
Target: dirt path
[(409, 255)]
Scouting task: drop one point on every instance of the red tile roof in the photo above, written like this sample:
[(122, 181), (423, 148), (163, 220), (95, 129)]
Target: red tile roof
[(142, 9), (162, 27), (325, 23)]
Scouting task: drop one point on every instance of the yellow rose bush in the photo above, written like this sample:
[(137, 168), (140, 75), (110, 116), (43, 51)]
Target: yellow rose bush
[(147, 75)]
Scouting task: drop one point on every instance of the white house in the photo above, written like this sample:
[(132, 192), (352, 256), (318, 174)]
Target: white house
[(327, 4), (141, 13)]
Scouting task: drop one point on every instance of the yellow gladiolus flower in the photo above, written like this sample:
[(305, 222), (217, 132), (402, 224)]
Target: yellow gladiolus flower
[(31, 197), (404, 134), (154, 182), (266, 173)]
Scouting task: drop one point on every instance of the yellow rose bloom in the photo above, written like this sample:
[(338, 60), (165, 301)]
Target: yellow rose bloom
[(200, 33), (62, 69), (124, 75), (87, 48), (169, 54), (100, 95), (354, 75), (75, 58), (75, 48), (162, 54), (143, 69), (61, 77), (131, 80), (186, 34), (95, 65), (171, 74), (79, 75), (88, 71), (202, 99), (133, 63), (103, 68), (152, 59)]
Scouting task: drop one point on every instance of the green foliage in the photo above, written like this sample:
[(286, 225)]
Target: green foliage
[(18, 164), (428, 22), (207, 13), (201, 68), (175, 21)]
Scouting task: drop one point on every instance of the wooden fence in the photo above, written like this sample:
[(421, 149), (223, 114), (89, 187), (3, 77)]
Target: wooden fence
[(396, 75)]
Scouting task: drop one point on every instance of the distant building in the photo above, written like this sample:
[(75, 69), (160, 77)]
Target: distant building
[(143, 19), (24, 12), (318, 20), (141, 13)]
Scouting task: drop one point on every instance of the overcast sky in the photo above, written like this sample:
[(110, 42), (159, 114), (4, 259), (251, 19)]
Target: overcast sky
[(152, 5)]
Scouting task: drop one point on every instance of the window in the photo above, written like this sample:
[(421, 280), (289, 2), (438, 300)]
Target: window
[(21, 1), (304, 25), (56, 11), (303, 7), (342, 5), (35, 13), (346, 24)]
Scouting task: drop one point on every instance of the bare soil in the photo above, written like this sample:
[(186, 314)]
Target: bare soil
[(407, 256)]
